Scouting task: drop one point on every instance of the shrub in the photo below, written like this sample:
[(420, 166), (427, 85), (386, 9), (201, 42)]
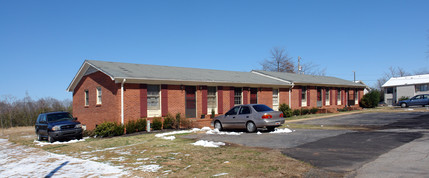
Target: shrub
[(177, 123), (141, 124), (156, 124), (213, 114), (370, 100), (169, 122), (131, 127), (403, 98), (108, 129), (305, 111), (287, 111), (296, 112), (88, 133), (314, 110), (186, 123)]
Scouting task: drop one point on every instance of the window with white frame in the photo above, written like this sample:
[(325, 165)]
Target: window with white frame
[(237, 96), (422, 87), (276, 99), (211, 99), (86, 93), (153, 98), (339, 97), (304, 96), (327, 97), (356, 96), (98, 95)]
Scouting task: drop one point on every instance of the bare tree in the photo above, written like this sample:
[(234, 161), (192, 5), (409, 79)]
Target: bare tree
[(421, 71), (312, 69), (279, 61), (393, 72)]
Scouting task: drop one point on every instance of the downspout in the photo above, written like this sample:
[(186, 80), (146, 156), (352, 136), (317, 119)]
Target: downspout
[(122, 101), (290, 97)]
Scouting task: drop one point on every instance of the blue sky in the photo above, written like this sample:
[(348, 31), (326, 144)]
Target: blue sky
[(43, 43)]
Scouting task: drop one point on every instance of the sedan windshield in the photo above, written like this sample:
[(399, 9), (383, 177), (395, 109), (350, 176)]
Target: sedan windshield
[(59, 117), (262, 108)]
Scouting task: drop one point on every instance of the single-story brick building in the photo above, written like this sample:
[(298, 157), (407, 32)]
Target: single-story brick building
[(119, 92)]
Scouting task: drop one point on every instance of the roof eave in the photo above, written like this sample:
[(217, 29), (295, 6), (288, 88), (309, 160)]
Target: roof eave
[(81, 72)]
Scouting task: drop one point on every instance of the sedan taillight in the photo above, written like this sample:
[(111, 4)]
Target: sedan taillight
[(267, 116), (281, 115)]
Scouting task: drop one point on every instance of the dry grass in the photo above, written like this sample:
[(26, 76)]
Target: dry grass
[(178, 158)]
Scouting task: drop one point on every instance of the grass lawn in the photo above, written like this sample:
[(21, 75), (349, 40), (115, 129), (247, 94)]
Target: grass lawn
[(177, 158)]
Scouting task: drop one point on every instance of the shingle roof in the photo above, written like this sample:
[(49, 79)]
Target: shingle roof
[(156, 72), (408, 80), (310, 79)]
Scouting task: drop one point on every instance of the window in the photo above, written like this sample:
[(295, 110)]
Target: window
[(275, 97), (261, 108), (237, 96), (86, 98), (153, 99), (423, 87), (211, 99), (245, 110), (339, 96), (98, 95), (304, 96), (327, 96), (233, 111), (356, 96), (389, 90)]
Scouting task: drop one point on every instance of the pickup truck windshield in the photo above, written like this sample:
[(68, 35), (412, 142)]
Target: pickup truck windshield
[(59, 117)]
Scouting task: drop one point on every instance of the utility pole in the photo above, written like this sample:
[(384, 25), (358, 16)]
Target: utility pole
[(354, 76)]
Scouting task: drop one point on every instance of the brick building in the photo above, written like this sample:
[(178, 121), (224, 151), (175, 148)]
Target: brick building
[(119, 92)]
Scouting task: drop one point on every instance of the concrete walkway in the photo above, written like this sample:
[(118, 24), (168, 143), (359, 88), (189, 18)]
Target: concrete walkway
[(408, 160)]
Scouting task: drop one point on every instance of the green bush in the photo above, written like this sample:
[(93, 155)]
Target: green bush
[(213, 114), (287, 111), (141, 124), (296, 112), (108, 129), (305, 111), (131, 127), (156, 124), (169, 122), (403, 98), (177, 123), (370, 100), (314, 110)]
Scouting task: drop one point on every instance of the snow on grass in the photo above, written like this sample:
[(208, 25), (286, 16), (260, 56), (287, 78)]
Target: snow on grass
[(208, 130), (206, 143), (149, 168), (22, 161), (39, 143), (284, 130), (216, 131), (220, 174)]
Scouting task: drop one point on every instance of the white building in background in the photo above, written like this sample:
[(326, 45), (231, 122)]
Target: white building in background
[(409, 86), (367, 88)]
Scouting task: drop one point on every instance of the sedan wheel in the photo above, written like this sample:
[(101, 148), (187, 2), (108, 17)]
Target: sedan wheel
[(251, 127), (218, 125), (403, 105)]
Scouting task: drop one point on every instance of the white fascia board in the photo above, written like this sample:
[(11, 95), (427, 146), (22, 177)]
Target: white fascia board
[(271, 77), (82, 70)]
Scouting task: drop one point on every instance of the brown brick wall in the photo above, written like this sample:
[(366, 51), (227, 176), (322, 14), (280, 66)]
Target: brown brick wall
[(265, 96), (131, 102), (284, 96), (295, 97), (226, 99), (96, 114), (176, 99)]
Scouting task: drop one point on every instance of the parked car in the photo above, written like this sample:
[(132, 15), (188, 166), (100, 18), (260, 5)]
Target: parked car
[(249, 117), (57, 126), (415, 101)]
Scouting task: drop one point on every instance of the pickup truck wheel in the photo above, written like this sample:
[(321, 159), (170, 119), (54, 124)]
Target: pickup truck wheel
[(403, 105), (51, 139), (79, 137)]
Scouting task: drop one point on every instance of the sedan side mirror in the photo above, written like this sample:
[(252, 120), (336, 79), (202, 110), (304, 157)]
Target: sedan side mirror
[(75, 118)]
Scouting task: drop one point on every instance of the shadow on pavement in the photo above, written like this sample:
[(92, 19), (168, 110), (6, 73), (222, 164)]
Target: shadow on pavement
[(56, 169)]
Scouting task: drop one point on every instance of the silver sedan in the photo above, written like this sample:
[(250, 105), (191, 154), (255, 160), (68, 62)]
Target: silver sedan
[(249, 117)]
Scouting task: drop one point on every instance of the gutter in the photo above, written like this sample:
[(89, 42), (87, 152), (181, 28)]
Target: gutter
[(122, 101), (290, 95)]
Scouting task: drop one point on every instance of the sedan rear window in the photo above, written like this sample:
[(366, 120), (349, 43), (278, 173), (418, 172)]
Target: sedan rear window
[(261, 108)]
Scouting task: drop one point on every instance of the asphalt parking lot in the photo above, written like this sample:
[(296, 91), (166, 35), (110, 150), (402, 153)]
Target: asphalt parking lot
[(343, 151)]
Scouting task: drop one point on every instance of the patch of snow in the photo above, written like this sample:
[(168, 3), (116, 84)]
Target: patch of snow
[(259, 133), (149, 168), (187, 167), (206, 143), (142, 159), (226, 162), (205, 129), (220, 174), (39, 143), (216, 131), (22, 161), (187, 155), (285, 130)]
